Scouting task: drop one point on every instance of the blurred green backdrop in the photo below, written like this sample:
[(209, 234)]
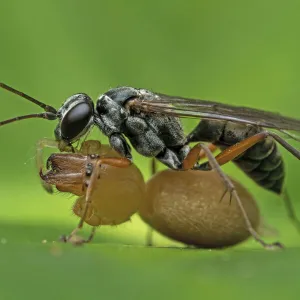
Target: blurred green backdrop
[(237, 52)]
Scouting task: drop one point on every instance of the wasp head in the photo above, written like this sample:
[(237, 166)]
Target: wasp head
[(75, 118)]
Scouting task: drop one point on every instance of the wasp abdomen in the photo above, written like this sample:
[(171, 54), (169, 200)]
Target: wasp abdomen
[(262, 162), (267, 168)]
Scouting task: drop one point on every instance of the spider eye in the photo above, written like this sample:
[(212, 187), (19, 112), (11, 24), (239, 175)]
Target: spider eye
[(76, 120)]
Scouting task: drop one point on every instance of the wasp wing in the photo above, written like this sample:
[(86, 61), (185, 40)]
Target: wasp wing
[(193, 108)]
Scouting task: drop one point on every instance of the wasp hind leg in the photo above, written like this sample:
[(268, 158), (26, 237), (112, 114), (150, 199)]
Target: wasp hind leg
[(290, 210), (149, 233), (192, 158), (235, 150)]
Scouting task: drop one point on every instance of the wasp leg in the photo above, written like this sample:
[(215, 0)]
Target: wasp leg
[(230, 187), (212, 148), (284, 144), (290, 210), (94, 176), (149, 233), (235, 150), (119, 144)]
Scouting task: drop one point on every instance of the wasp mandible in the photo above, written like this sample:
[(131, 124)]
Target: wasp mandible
[(151, 122)]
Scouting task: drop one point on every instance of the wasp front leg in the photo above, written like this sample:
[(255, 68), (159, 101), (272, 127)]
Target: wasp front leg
[(119, 144)]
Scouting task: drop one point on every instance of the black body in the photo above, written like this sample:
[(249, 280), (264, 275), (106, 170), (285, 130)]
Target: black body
[(151, 135), (151, 122)]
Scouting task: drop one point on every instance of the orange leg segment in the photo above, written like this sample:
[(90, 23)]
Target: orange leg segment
[(235, 150), (212, 148), (228, 154)]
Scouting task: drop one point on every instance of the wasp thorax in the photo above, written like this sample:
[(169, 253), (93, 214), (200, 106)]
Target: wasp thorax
[(110, 108)]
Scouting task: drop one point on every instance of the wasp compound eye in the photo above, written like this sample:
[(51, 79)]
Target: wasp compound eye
[(76, 120), (77, 117)]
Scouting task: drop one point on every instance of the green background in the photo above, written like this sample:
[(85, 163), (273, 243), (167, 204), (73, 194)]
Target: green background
[(237, 52)]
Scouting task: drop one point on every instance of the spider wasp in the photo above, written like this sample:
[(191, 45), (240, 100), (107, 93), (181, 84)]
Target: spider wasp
[(151, 123)]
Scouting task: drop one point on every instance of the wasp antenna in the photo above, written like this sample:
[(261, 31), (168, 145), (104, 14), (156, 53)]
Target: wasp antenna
[(46, 107), (46, 115)]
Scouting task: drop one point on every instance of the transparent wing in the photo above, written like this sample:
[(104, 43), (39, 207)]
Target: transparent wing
[(183, 107)]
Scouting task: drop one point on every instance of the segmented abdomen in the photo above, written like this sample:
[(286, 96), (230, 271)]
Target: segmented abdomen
[(264, 164)]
